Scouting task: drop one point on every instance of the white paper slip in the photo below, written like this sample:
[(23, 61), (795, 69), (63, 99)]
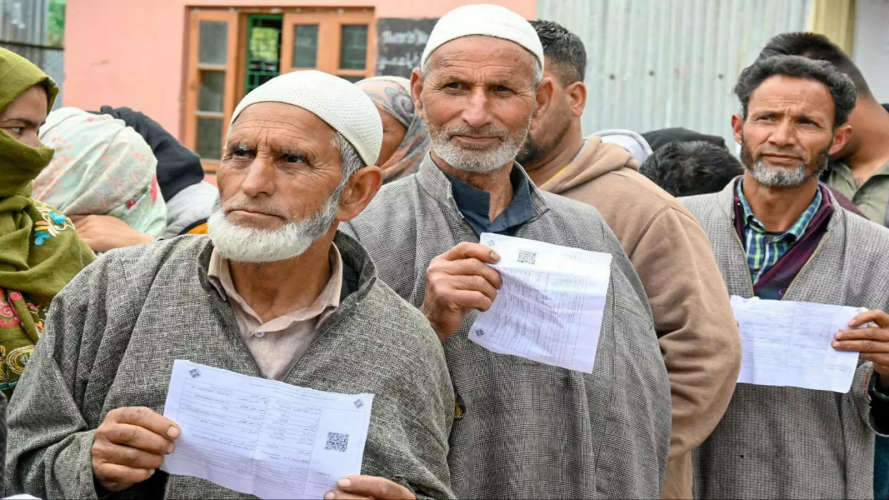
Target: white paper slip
[(787, 343), (263, 437), (550, 306)]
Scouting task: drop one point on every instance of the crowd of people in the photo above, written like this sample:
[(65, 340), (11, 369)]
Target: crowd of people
[(340, 251)]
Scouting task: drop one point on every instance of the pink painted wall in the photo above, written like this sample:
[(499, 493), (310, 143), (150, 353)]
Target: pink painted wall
[(132, 52)]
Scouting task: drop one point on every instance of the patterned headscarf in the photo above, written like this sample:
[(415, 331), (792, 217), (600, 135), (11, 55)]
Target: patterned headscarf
[(100, 167), (392, 94), (39, 248)]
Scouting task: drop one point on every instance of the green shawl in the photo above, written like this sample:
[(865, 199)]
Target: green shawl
[(39, 248)]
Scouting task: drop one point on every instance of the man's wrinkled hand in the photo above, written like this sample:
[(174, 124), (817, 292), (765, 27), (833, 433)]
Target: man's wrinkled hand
[(457, 281), (130, 445), (104, 232), (365, 487), (871, 341)]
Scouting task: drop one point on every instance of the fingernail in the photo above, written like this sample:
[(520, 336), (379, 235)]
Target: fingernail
[(173, 431), (170, 448), (328, 495), (344, 483), (495, 256)]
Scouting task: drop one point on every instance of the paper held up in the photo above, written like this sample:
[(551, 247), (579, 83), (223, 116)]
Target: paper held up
[(263, 437), (787, 343), (551, 304)]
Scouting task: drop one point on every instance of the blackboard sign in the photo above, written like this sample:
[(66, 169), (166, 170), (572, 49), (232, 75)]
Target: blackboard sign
[(400, 44)]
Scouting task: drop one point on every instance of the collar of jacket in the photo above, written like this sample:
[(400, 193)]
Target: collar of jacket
[(726, 203), (437, 185), (359, 272)]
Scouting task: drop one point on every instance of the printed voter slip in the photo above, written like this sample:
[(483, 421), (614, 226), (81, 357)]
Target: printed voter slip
[(263, 437), (787, 343), (551, 304)]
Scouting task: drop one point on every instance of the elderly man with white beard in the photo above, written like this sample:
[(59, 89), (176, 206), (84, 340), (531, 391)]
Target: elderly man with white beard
[(274, 291), (778, 234), (524, 429)]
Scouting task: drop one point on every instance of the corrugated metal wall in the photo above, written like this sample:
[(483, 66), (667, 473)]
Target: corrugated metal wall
[(23, 30), (669, 63)]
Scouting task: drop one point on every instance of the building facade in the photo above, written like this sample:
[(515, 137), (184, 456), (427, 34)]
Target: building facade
[(651, 64)]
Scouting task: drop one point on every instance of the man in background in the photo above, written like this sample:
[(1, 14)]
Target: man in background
[(860, 170), (693, 319)]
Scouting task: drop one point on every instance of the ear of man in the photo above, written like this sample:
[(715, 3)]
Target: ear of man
[(416, 90), (359, 191), (577, 93), (840, 136), (737, 128), (544, 97)]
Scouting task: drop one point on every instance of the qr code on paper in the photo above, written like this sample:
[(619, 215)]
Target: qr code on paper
[(527, 257), (337, 442)]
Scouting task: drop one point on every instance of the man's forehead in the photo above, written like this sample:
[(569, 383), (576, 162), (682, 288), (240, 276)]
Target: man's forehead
[(481, 49), (278, 115), (802, 93)]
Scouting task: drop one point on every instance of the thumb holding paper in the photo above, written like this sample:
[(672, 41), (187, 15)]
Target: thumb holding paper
[(457, 281)]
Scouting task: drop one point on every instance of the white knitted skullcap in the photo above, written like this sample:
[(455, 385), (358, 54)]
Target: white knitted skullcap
[(342, 105), (485, 20)]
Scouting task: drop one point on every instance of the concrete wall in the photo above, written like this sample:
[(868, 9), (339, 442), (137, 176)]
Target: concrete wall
[(132, 52), (871, 49)]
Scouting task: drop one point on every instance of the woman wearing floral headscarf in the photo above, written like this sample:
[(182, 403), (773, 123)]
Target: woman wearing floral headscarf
[(100, 167), (405, 140), (39, 248)]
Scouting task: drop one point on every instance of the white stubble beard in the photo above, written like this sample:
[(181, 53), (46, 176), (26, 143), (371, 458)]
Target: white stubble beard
[(475, 161), (778, 176), (246, 244)]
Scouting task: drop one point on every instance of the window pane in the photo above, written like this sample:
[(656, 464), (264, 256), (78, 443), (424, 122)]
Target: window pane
[(263, 49), (209, 138), (211, 91), (352, 79), (213, 46), (305, 46), (353, 46)]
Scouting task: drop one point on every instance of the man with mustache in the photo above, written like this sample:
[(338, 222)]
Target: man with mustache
[(778, 234), (274, 291), (524, 429)]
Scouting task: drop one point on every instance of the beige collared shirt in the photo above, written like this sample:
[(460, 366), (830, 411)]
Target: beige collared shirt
[(279, 343)]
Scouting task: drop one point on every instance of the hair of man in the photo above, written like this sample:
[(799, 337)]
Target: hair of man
[(816, 46), (351, 160), (685, 168), (564, 51), (840, 86)]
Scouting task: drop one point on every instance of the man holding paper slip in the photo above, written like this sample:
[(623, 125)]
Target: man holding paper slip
[(527, 427), (291, 363), (794, 429)]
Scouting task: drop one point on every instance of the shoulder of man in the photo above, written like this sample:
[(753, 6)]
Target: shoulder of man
[(126, 274), (871, 240), (143, 259), (392, 209), (700, 204), (385, 309)]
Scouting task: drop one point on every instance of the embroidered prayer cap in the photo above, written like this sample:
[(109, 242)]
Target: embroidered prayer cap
[(485, 20), (342, 105)]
